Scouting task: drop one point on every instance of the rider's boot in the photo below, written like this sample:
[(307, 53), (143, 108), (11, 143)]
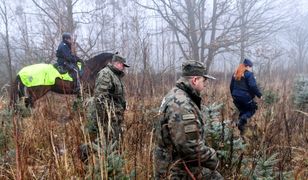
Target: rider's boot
[(76, 86)]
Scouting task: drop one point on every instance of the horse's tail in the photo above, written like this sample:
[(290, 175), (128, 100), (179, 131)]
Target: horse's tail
[(16, 92)]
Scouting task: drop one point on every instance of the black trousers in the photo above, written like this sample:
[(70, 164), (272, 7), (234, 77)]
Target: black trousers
[(246, 106), (73, 71)]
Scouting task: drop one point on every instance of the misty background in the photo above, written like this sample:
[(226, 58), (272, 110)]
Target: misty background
[(156, 36)]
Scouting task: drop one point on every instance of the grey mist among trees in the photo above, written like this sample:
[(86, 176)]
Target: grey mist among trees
[(157, 35), (204, 29)]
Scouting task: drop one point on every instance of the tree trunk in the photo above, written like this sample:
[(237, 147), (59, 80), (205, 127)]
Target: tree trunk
[(213, 45), (243, 31), (192, 30), (70, 19), (4, 16)]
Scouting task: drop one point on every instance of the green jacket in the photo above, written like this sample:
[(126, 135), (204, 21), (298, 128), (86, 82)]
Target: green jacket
[(109, 87), (180, 134)]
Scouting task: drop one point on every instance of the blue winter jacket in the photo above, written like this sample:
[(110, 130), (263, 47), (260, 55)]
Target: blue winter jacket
[(246, 87), (65, 55)]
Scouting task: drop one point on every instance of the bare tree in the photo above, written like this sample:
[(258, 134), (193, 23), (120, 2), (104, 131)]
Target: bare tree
[(298, 39), (231, 23), (6, 38), (60, 13), (24, 42), (220, 31), (185, 19), (260, 19), (56, 17), (269, 54)]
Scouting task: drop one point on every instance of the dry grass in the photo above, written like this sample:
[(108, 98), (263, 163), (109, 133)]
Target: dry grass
[(50, 137)]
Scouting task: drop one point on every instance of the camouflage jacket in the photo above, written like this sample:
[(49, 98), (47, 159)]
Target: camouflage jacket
[(180, 133), (109, 87)]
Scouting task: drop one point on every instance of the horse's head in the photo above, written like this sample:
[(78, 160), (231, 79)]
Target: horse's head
[(96, 63)]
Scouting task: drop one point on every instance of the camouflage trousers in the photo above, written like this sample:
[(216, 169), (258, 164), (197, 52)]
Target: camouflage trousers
[(166, 168), (111, 123)]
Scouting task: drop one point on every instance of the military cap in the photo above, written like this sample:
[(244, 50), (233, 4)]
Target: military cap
[(194, 68), (118, 58), (247, 62)]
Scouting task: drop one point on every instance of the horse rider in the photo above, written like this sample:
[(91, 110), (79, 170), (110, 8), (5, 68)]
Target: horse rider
[(67, 59)]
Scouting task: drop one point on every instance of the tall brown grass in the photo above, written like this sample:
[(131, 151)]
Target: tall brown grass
[(49, 139)]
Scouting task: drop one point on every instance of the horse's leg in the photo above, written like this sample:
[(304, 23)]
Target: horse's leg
[(21, 91), (15, 93), (35, 93), (29, 102)]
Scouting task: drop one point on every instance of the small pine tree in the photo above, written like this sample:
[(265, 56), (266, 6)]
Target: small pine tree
[(220, 136), (270, 97), (6, 126), (264, 168), (300, 92), (108, 163)]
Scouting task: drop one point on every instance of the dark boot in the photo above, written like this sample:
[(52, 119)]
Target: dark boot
[(76, 86), (73, 71), (241, 125), (76, 82)]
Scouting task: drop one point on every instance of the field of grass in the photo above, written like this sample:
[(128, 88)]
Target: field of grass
[(49, 138)]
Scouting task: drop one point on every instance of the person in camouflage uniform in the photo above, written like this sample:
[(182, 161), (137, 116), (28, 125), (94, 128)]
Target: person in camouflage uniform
[(109, 96), (180, 149)]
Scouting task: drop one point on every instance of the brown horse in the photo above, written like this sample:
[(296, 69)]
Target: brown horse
[(87, 79)]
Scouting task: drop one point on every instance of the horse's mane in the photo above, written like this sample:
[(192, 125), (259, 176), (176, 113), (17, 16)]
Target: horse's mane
[(103, 56)]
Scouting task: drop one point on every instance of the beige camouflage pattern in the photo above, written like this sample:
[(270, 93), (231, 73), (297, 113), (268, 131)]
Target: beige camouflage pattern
[(180, 145), (110, 104)]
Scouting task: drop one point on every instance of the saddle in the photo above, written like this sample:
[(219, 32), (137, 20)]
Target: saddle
[(63, 70)]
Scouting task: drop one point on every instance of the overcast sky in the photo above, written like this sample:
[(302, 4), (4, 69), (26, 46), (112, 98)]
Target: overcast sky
[(304, 6)]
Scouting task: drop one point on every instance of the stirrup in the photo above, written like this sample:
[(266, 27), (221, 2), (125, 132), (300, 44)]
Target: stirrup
[(76, 90)]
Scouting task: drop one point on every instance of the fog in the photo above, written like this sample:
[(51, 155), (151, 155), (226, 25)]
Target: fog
[(270, 33)]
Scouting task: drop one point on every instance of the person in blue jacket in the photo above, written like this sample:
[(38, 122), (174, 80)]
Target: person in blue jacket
[(67, 59), (243, 89)]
